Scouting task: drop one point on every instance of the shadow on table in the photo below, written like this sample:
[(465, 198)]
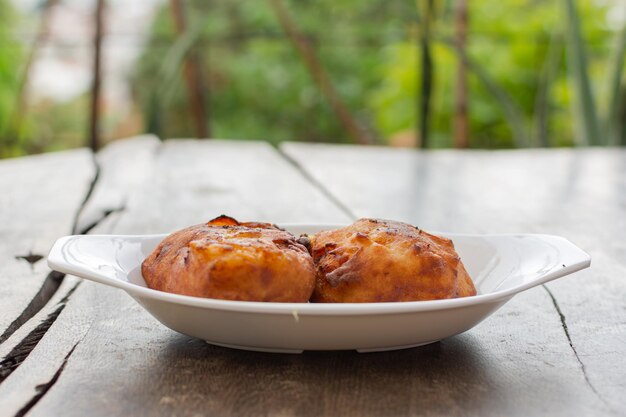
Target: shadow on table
[(442, 378)]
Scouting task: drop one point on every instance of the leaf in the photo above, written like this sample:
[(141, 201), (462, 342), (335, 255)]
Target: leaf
[(426, 23), (173, 61), (615, 80), (546, 79), (577, 65), (512, 111)]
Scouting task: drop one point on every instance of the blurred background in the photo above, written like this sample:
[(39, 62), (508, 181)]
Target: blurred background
[(425, 73)]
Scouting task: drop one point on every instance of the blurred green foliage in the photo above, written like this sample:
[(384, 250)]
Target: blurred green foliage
[(260, 89), (509, 41), (11, 55), (522, 91)]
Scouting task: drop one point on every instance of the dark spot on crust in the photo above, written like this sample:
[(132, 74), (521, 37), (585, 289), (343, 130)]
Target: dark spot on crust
[(298, 245), (284, 243), (343, 275), (305, 241), (280, 242), (417, 248)]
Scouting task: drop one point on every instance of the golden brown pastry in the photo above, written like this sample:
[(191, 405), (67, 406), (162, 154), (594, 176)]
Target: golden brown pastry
[(381, 260), (232, 261)]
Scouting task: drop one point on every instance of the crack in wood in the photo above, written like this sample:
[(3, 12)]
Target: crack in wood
[(20, 352), (65, 299), (23, 349), (317, 184), (53, 280), (48, 289), (571, 344), (44, 388), (31, 258), (90, 190), (105, 214)]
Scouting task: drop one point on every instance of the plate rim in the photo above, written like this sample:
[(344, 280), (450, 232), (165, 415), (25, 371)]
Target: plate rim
[(56, 262)]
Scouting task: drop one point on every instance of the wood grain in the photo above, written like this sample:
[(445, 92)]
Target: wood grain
[(188, 182), (129, 364), (579, 194), (121, 167), (40, 198), (105, 356), (193, 181)]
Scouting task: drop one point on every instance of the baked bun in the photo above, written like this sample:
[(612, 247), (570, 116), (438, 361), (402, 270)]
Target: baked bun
[(229, 260), (381, 260)]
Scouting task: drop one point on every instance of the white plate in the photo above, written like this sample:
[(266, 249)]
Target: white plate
[(500, 265)]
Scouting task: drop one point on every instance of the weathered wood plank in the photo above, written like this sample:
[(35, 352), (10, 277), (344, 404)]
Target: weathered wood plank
[(30, 378), (41, 196), (18, 337), (192, 182), (122, 166), (517, 363), (143, 368), (579, 194), (187, 182)]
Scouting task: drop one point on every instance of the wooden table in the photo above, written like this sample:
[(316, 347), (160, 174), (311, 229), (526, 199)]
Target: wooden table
[(75, 348)]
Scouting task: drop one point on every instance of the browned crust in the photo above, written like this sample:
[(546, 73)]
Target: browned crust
[(230, 260), (381, 260)]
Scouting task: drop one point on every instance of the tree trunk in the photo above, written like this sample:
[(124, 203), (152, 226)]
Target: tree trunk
[(461, 117), (319, 74), (193, 77), (22, 89), (94, 120), (425, 98)]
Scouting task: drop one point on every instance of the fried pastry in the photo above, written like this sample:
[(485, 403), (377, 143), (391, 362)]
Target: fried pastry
[(381, 260), (229, 260)]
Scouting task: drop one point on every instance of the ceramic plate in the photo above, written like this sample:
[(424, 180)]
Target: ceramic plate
[(500, 265)]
